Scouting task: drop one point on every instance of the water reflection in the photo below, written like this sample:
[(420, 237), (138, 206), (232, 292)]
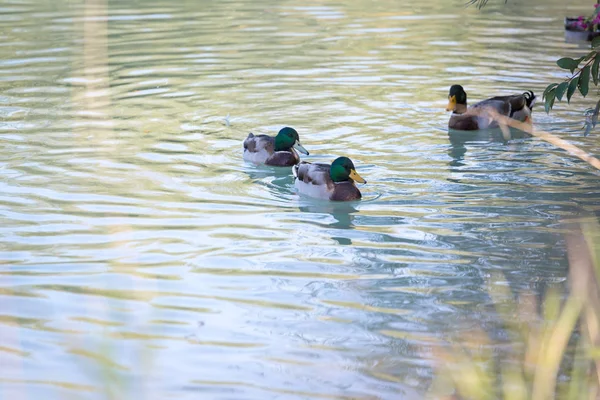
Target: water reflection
[(259, 173), (277, 181), (459, 140), (336, 215)]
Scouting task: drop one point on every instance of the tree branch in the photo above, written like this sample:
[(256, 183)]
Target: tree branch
[(546, 136)]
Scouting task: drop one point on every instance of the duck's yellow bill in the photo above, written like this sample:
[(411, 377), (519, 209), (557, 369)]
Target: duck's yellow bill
[(300, 148), (356, 177), (451, 103)]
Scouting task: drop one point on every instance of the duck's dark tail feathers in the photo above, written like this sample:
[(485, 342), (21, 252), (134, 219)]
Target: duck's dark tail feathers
[(530, 99)]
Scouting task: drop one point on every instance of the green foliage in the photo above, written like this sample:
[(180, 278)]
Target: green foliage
[(567, 63), (582, 70), (580, 78), (549, 88), (550, 96), (595, 69), (561, 89), (572, 87), (584, 80)]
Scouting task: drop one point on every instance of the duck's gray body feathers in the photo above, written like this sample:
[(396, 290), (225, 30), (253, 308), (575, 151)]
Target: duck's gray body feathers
[(313, 179), (260, 149)]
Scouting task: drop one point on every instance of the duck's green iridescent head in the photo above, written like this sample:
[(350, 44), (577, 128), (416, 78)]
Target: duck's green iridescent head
[(288, 138), (342, 169), (457, 95)]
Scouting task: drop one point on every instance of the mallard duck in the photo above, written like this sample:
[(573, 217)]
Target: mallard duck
[(329, 182), (278, 150), (473, 118)]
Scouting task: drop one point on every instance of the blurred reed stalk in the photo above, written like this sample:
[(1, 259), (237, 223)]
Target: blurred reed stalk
[(93, 106), (94, 124), (95, 58), (553, 348)]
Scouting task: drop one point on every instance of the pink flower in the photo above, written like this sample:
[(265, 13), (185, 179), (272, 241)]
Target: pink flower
[(580, 18), (596, 5)]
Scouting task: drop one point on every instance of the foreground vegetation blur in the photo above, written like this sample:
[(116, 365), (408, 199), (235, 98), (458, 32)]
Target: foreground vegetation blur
[(551, 348)]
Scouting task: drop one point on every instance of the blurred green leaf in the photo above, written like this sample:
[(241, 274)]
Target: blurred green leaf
[(595, 68), (568, 63), (500, 293), (553, 347), (594, 352), (550, 96), (561, 89), (591, 230), (596, 42), (513, 382), (572, 88), (548, 88), (551, 306), (575, 390), (584, 80)]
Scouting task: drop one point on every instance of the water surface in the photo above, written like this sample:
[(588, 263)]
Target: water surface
[(140, 254)]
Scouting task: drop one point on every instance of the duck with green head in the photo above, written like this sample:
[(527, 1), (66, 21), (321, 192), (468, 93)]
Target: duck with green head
[(278, 151), (517, 106), (333, 181)]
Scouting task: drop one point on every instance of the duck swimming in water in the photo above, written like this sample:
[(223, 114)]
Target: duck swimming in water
[(328, 182), (517, 107), (278, 151)]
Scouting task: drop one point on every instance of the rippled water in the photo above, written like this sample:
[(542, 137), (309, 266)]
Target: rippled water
[(140, 254)]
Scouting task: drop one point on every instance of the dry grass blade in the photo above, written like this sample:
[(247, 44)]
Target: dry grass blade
[(584, 280), (513, 382), (553, 349)]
